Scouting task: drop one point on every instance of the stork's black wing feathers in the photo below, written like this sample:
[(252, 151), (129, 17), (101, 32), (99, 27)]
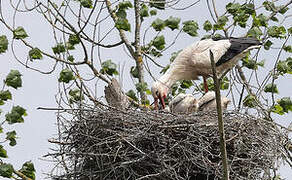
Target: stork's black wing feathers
[(238, 45)]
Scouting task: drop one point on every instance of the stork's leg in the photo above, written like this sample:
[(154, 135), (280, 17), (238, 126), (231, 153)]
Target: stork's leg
[(205, 84)]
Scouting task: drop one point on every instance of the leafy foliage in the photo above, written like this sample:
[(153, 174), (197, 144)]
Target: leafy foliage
[(66, 75), (86, 3), (6, 170), (3, 43), (272, 88), (13, 79), (207, 26), (75, 95), (59, 48), (35, 53), (240, 12), (277, 32), (159, 4), (122, 21), (158, 24), (19, 33), (222, 20), (3, 152), (132, 95), (16, 115), (108, 67), (28, 170), (144, 11), (172, 22), (284, 105), (10, 136), (191, 28), (159, 42), (4, 96), (250, 101)]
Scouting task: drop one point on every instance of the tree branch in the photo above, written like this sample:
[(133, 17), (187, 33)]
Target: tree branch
[(220, 120)]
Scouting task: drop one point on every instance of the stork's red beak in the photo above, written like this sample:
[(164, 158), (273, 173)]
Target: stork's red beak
[(162, 101)]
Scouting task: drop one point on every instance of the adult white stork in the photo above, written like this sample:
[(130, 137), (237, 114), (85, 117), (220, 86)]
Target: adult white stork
[(184, 103), (208, 102), (194, 61)]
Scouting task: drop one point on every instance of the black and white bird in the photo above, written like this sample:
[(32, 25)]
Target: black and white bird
[(208, 102), (184, 103), (194, 61)]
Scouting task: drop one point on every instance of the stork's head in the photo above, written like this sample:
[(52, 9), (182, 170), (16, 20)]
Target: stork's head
[(224, 102), (159, 92)]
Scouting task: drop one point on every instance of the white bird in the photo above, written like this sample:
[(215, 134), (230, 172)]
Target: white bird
[(184, 103), (194, 61), (208, 102)]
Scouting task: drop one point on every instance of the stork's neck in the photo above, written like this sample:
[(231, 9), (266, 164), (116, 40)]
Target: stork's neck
[(168, 79)]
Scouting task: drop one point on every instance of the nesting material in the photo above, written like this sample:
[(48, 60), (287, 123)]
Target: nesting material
[(108, 143)]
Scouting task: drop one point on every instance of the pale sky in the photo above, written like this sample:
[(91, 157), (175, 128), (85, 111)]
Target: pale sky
[(39, 90)]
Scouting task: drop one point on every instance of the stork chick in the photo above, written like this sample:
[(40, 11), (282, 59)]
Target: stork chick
[(194, 61), (184, 103), (208, 102)]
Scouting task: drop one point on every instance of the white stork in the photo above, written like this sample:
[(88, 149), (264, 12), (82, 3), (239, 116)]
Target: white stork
[(194, 61), (184, 103), (208, 102)]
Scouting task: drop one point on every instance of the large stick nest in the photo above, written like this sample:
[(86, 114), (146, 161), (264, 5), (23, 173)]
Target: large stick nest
[(108, 143)]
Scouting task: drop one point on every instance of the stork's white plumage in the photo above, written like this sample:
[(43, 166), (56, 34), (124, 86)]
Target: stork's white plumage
[(208, 102), (194, 61), (184, 103)]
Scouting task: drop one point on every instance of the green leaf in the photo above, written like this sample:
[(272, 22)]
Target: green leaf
[(3, 44), (144, 11), (70, 58), (10, 136), (159, 4), (125, 5), (222, 20), (289, 31), (75, 95), (272, 88), (268, 44), (286, 104), (172, 22), (153, 12), (4, 96), (255, 32), (232, 7), (250, 101), (282, 9), (121, 13), (190, 27), (122, 23), (35, 53), (132, 95), (108, 67), (260, 20), (158, 24), (185, 84), (74, 39), (19, 33), (66, 75), (277, 32), (278, 109), (3, 152), (141, 87), (207, 26), (86, 3), (159, 42), (288, 48), (134, 72), (283, 67), (6, 170), (16, 115), (59, 48), (13, 79), (270, 6), (28, 170), (165, 69)]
